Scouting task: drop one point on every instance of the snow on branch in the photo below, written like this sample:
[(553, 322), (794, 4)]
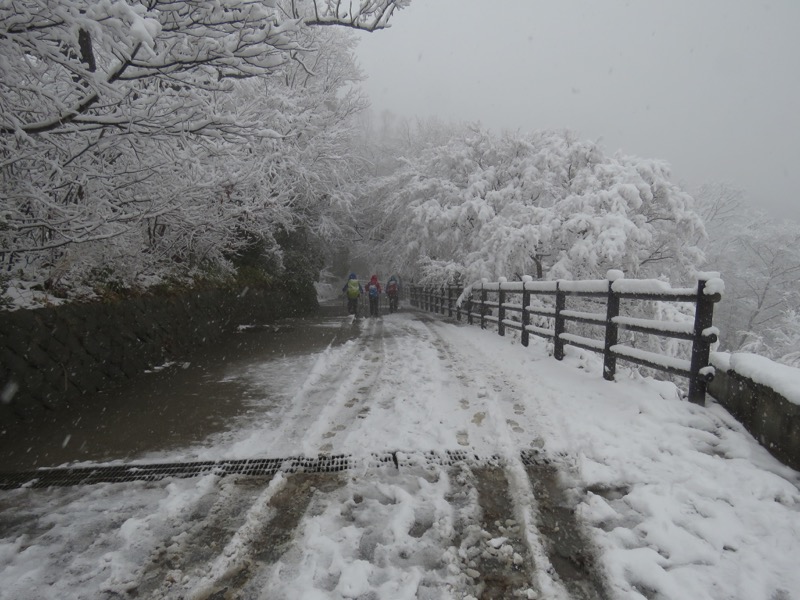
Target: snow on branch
[(140, 139), (370, 15)]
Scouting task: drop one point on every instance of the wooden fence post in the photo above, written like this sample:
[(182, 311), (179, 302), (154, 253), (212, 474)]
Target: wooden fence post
[(483, 308), (560, 325), (441, 300), (526, 316), (501, 310), (449, 300), (612, 334), (458, 308), (469, 307), (701, 345)]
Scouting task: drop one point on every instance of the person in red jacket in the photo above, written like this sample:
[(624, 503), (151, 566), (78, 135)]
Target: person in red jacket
[(374, 295)]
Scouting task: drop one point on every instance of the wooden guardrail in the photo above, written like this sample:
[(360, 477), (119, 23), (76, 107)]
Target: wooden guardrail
[(485, 302)]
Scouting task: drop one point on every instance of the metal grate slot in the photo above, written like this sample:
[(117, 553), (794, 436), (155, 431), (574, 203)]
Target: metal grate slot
[(257, 467)]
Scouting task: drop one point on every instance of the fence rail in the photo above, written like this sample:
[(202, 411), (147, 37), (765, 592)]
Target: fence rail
[(485, 302)]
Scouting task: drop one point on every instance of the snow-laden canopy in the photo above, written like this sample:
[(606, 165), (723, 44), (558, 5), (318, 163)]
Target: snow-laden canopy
[(145, 140), (546, 204)]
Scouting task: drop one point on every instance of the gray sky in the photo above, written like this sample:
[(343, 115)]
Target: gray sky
[(711, 86)]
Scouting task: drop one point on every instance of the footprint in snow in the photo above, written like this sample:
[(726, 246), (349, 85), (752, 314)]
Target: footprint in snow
[(514, 426), (478, 418), (462, 438)]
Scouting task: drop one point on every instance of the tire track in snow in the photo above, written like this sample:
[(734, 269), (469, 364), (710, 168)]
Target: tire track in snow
[(437, 532), (566, 566), (351, 399), (206, 532), (376, 409), (388, 533), (262, 539), (522, 505), (289, 428), (417, 396)]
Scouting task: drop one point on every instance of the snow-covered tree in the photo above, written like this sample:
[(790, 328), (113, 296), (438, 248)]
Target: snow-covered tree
[(139, 134), (759, 259), (546, 204)]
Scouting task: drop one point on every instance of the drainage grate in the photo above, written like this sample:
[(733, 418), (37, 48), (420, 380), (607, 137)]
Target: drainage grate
[(447, 458), (325, 463), (533, 458), (154, 472)]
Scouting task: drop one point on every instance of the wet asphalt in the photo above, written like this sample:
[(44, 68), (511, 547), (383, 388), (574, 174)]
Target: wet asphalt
[(169, 407)]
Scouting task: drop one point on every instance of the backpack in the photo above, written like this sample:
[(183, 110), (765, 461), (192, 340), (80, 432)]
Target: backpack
[(352, 288), (373, 290), (391, 288)]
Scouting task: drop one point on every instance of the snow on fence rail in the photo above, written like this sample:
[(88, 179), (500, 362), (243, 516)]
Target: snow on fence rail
[(515, 297)]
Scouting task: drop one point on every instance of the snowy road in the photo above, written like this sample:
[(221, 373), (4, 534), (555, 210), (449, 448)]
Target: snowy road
[(511, 476), (402, 384)]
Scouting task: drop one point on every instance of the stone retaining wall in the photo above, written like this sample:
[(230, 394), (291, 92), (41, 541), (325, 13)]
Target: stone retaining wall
[(772, 419), (53, 355)]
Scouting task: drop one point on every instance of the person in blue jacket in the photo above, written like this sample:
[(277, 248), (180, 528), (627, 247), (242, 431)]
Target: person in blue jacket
[(353, 290)]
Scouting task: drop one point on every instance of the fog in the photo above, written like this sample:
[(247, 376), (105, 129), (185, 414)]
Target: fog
[(712, 87)]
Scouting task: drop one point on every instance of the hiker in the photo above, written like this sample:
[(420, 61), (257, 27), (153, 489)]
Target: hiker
[(352, 288), (374, 294), (393, 292)]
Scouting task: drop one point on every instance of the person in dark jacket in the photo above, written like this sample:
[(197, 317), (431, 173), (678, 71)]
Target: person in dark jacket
[(392, 292), (353, 290), (374, 295)]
